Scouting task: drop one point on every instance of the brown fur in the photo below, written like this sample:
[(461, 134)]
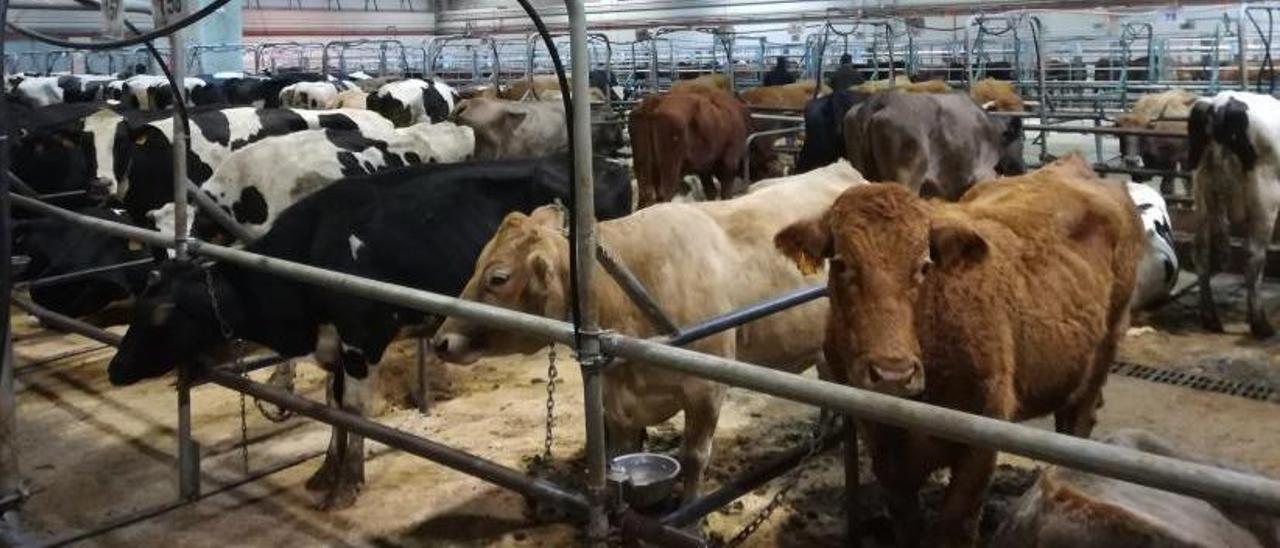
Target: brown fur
[(904, 84), (946, 302), (999, 92), (704, 83), (697, 260), (677, 134), (1072, 508), (544, 87), (791, 96), (1166, 153)]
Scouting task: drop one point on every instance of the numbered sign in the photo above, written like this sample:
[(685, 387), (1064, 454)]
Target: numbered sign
[(166, 12), (113, 18)]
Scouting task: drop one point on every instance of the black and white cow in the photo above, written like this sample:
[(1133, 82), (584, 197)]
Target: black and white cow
[(1235, 158), (50, 151), (135, 160), (256, 183), (411, 101), (42, 91), (57, 247), (422, 226), (146, 92), (1158, 268), (315, 95)]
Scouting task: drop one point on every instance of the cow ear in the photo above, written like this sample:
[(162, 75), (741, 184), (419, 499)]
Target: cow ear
[(954, 244), (539, 271), (515, 118), (806, 243), (548, 216)]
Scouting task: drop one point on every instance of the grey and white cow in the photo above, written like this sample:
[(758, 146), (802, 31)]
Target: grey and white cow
[(147, 92), (256, 183), (408, 102), (1235, 155), (529, 129)]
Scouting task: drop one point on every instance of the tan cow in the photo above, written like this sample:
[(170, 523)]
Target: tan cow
[(1164, 153), (792, 96), (1068, 507), (1008, 304), (706, 82), (698, 260)]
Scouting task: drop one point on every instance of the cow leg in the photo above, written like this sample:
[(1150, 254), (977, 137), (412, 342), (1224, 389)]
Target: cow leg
[(325, 477), (1262, 224), (709, 188), (622, 439), (701, 413), (901, 485), (1206, 238), (962, 504), (349, 469)]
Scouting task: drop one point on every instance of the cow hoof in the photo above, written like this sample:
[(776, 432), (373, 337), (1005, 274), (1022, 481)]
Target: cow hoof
[(324, 478), (273, 412), (341, 497)]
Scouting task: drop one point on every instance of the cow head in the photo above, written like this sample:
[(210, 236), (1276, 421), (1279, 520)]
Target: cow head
[(521, 268), (883, 246), (1011, 142), (1130, 145), (173, 321), (494, 121), (53, 161)]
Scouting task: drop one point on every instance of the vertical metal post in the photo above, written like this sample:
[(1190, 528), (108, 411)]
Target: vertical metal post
[(10, 480), (1243, 46), (424, 387), (1037, 35), (852, 484), (589, 342), (188, 457)]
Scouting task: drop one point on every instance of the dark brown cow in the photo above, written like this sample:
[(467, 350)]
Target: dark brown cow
[(946, 303), (937, 144), (699, 133)]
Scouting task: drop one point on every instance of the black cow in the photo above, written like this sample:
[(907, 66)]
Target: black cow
[(50, 151), (824, 129), (422, 226), (57, 247)]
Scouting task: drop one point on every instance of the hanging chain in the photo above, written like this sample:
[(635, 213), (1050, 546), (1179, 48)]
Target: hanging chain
[(551, 404), (237, 349), (815, 443)]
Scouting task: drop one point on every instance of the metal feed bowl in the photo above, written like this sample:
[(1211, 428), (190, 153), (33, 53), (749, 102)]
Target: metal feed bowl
[(646, 479)]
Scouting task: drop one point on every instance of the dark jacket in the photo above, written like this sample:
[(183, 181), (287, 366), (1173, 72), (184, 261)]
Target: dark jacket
[(846, 76), (778, 77)]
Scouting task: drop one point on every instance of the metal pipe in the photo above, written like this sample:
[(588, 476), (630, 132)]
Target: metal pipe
[(180, 145), (10, 472), (80, 274), (635, 525), (746, 155), (1125, 464), (636, 291), (588, 343), (750, 481), (372, 289), (448, 456), (1174, 475), (66, 323), (1105, 131), (730, 320)]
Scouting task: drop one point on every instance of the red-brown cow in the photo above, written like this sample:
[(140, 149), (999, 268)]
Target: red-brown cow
[(700, 132), (1008, 304)]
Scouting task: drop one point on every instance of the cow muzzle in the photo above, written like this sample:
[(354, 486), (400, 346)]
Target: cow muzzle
[(454, 348), (897, 376)]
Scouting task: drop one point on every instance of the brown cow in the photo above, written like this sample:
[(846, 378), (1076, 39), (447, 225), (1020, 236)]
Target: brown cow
[(1068, 507), (937, 144), (947, 303), (702, 133), (698, 260)]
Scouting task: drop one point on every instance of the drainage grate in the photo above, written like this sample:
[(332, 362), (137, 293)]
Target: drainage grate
[(1260, 391)]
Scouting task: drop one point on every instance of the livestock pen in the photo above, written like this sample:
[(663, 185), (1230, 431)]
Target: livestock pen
[(594, 348)]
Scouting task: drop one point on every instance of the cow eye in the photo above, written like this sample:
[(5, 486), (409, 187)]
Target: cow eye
[(498, 278)]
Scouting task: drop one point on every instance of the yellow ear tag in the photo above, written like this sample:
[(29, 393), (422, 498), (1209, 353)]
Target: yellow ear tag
[(135, 245), (808, 265)]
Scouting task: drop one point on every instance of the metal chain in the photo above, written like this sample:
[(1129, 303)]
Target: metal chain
[(237, 349), (551, 404), (815, 442)]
